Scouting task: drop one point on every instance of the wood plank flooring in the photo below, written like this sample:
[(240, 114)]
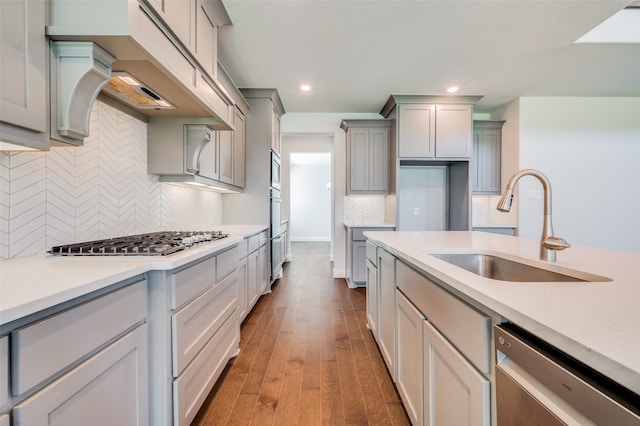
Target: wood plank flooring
[(306, 356)]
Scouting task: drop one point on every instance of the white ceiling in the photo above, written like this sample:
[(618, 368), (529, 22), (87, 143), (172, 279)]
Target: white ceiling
[(355, 53)]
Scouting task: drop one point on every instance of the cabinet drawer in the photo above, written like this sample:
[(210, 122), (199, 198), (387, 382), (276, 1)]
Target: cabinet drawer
[(191, 281), (358, 234), (196, 323), (226, 263), (254, 243), (243, 248), (468, 329), (372, 252), (262, 238), (194, 384), (110, 388), (45, 348), (4, 370)]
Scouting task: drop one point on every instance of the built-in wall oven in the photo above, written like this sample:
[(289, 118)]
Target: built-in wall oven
[(276, 172), (536, 384)]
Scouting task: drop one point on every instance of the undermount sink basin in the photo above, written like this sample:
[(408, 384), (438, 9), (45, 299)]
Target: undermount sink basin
[(499, 268)]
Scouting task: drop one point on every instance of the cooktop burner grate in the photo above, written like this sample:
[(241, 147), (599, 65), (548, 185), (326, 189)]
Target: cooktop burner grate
[(152, 244)]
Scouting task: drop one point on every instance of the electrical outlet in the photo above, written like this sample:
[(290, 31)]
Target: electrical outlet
[(416, 212)]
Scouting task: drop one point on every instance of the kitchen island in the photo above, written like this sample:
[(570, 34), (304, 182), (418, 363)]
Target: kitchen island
[(597, 322)]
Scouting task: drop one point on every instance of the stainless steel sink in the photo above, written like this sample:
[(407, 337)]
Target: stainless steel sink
[(499, 268)]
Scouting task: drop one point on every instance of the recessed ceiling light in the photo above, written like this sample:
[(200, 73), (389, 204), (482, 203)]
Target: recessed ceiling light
[(453, 89), (305, 87)]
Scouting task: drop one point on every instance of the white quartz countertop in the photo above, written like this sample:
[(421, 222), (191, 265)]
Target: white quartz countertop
[(33, 283), (597, 323)]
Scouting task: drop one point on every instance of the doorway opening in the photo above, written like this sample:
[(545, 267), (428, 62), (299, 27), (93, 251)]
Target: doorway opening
[(310, 196)]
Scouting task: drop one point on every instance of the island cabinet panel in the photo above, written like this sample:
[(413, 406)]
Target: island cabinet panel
[(467, 328), (110, 388), (23, 73), (454, 392), (387, 308), (48, 347), (410, 359), (372, 298)]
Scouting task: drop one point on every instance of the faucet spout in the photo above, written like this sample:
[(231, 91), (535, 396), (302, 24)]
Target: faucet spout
[(549, 244)]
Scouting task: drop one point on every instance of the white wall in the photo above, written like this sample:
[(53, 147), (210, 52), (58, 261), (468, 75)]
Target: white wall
[(310, 201), (589, 148), (329, 124)]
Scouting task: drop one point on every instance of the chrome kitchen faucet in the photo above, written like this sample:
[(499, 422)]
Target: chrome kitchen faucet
[(549, 243)]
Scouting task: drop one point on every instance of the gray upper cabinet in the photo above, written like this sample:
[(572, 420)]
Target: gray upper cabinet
[(486, 160), (23, 73), (225, 151), (238, 148), (454, 132), (194, 23), (368, 151), (432, 127), (416, 130), (275, 130)]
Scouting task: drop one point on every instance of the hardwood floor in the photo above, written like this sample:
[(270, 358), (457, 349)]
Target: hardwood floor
[(306, 356)]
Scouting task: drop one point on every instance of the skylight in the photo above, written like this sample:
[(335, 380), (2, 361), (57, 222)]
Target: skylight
[(623, 27)]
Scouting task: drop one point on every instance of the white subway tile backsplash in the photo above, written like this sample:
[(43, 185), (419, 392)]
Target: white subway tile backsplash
[(364, 209), (99, 190), (484, 212)]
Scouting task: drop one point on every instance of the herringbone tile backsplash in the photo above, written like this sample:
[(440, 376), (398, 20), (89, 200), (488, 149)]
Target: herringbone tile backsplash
[(99, 190)]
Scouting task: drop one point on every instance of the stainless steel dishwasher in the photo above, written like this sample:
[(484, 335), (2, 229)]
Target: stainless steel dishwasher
[(536, 384)]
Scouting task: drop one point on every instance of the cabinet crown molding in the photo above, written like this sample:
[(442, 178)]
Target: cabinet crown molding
[(427, 99)]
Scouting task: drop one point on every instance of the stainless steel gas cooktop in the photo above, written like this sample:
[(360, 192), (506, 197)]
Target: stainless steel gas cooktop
[(152, 244)]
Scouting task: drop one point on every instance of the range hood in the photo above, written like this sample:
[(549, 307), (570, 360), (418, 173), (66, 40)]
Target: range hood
[(144, 50)]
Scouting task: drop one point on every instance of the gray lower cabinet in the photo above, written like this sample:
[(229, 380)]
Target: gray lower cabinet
[(195, 330), (84, 365), (264, 271), (487, 157), (251, 278), (357, 254), (454, 392), (107, 389)]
